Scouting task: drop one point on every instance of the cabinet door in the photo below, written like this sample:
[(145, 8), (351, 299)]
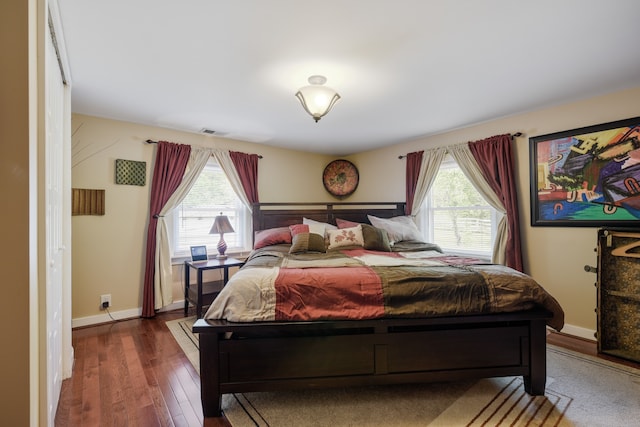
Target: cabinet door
[(619, 293)]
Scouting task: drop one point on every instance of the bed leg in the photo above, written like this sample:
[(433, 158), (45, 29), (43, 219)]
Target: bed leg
[(535, 382), (209, 376)]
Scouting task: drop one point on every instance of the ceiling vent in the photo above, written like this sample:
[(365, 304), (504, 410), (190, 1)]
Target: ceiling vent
[(213, 132)]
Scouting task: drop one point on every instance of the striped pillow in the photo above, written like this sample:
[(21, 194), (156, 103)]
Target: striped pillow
[(307, 242)]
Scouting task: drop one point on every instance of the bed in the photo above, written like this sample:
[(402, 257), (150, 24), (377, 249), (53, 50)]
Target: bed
[(254, 338)]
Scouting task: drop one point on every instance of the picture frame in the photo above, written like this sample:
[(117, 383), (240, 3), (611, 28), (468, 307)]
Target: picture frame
[(131, 172), (587, 177)]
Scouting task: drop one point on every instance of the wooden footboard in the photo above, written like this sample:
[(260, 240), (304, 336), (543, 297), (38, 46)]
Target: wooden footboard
[(242, 357)]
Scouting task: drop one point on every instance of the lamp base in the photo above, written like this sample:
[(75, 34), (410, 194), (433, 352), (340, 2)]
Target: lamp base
[(222, 248)]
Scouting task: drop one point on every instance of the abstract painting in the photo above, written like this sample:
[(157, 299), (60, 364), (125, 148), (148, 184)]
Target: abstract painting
[(587, 177)]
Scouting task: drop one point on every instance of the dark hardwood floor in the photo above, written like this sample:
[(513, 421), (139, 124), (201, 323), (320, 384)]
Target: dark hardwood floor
[(133, 373)]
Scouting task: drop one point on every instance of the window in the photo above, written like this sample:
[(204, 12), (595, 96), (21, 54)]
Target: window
[(456, 216), (190, 222)]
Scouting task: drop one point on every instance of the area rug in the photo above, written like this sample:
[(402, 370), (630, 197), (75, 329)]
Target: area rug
[(581, 391)]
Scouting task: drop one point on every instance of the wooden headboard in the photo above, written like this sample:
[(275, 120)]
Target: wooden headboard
[(271, 215)]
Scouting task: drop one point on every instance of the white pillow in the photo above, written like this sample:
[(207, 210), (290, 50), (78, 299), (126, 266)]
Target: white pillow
[(398, 228), (318, 227), (346, 237)]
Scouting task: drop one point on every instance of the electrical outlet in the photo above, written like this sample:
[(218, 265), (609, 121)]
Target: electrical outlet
[(105, 301)]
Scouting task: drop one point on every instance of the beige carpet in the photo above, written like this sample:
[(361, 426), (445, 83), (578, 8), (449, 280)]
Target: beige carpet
[(581, 391)]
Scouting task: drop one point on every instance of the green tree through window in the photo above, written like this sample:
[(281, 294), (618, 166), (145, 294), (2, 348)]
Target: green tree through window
[(459, 219), (192, 219)]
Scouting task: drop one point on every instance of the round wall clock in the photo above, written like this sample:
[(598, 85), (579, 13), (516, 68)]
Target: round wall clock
[(340, 178)]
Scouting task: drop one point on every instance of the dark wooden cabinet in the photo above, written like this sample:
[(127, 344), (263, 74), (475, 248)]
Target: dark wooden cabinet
[(619, 293)]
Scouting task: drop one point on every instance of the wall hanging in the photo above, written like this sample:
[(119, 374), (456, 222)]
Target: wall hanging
[(340, 178), (587, 177), (87, 202), (131, 172)]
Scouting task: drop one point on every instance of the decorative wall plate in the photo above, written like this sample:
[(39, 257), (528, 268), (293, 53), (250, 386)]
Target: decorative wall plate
[(340, 178)]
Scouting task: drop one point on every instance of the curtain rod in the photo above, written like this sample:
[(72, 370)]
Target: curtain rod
[(150, 141), (513, 135)]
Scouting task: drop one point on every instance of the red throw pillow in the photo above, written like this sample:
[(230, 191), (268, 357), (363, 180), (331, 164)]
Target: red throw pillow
[(272, 236), (343, 223), (298, 228)]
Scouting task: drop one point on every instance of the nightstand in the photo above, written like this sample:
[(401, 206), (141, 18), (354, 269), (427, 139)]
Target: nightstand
[(203, 293)]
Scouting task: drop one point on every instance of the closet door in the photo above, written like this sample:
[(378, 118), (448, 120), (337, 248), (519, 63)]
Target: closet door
[(54, 224)]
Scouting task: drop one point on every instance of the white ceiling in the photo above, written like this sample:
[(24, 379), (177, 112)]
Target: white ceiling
[(404, 68)]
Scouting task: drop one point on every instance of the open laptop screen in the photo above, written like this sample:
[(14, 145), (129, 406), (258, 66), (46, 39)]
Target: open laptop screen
[(198, 253)]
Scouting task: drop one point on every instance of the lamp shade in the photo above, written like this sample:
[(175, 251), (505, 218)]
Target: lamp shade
[(317, 99), (221, 225)]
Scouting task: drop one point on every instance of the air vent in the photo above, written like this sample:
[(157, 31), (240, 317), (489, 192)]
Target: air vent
[(213, 132)]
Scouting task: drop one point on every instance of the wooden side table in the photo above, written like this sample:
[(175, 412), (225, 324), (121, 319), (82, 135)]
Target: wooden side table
[(203, 293)]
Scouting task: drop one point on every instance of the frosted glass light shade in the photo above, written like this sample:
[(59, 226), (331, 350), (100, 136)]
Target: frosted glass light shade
[(317, 99)]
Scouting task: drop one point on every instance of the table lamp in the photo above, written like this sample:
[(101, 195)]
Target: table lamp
[(220, 226)]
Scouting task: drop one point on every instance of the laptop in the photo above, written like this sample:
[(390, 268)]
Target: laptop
[(199, 254)]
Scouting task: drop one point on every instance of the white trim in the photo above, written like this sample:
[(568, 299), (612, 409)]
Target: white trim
[(119, 315), (578, 331)]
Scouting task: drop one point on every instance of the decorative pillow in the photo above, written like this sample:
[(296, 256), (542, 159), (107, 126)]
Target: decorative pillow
[(298, 228), (398, 228), (346, 237), (321, 228), (343, 223), (272, 236), (307, 242), (375, 239)]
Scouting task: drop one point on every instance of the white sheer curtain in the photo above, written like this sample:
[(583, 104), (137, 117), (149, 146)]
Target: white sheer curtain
[(163, 278), (224, 160), (431, 161), (469, 167)]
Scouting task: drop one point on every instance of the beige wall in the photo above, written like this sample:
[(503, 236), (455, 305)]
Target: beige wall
[(18, 130), (108, 250), (553, 256)]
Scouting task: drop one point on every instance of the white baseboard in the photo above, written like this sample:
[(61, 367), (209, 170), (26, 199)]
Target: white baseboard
[(119, 315), (577, 331)]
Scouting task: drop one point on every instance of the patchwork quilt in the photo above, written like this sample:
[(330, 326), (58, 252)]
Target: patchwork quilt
[(363, 284)]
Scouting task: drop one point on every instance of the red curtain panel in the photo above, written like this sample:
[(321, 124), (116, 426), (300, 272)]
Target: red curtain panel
[(495, 159), (171, 162)]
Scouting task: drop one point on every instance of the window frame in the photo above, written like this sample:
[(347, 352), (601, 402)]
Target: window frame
[(428, 210), (241, 225)]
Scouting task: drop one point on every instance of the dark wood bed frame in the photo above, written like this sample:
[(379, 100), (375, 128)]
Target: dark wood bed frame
[(269, 356)]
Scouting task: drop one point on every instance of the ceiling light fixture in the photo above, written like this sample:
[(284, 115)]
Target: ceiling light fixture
[(317, 99)]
